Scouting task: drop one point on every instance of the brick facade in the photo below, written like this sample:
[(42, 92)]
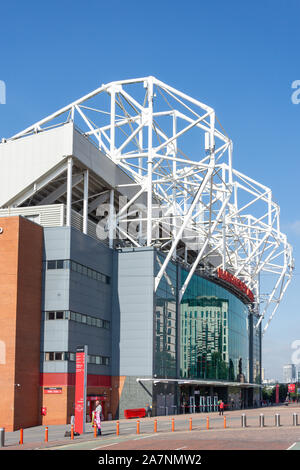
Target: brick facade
[(21, 247)]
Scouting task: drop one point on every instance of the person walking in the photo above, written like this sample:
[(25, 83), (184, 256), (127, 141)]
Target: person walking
[(221, 408), (97, 417), (148, 410)]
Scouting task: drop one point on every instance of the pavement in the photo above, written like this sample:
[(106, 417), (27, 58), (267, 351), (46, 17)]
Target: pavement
[(233, 437)]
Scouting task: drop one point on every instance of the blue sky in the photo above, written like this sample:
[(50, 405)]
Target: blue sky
[(239, 57)]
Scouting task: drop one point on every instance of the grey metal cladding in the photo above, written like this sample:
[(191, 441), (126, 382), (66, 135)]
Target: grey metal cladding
[(57, 243), (135, 303), (90, 252)]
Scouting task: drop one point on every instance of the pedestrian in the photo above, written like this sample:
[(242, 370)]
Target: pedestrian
[(148, 410), (97, 417), (221, 408)]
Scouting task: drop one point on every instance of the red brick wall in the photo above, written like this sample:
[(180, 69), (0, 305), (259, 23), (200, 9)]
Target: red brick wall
[(60, 407), (21, 247)]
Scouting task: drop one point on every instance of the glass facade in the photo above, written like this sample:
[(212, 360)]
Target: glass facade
[(214, 333), (165, 322), (207, 336)]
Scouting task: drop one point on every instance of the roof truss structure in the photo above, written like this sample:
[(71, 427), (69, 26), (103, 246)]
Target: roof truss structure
[(199, 210)]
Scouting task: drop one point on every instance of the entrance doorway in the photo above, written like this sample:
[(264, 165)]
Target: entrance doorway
[(91, 405)]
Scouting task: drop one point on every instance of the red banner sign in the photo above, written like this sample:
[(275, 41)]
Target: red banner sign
[(80, 389), (292, 388), (226, 276)]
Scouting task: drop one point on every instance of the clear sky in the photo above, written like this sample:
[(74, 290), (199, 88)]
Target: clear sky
[(239, 57)]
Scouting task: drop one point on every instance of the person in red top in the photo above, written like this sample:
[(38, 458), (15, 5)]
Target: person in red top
[(221, 408)]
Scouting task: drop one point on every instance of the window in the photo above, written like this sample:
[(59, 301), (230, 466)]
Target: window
[(49, 356), (51, 265), (84, 270), (78, 317), (73, 266), (55, 264)]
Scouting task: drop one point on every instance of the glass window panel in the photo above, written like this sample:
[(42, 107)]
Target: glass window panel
[(73, 266), (78, 317), (51, 265), (73, 316), (84, 270)]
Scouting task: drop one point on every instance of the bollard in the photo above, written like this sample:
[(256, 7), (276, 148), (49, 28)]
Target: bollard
[(207, 422), (244, 421), (295, 419), (173, 425), (261, 420), (191, 424), (138, 427), (277, 419), (46, 434), (224, 422), (95, 430), (118, 428), (155, 425), (21, 436), (72, 432), (2, 437)]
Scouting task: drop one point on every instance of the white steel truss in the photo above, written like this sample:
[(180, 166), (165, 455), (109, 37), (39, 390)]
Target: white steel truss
[(199, 210)]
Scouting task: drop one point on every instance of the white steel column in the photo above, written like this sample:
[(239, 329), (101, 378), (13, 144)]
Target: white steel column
[(184, 224), (85, 200), (69, 191), (150, 162), (111, 218), (112, 121), (174, 166)]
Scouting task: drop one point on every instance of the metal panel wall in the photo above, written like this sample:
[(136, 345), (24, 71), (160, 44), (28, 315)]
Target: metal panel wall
[(133, 313), (25, 160)]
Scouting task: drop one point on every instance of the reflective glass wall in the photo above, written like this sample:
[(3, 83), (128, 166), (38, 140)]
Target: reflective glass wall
[(207, 336), (165, 322), (214, 333)]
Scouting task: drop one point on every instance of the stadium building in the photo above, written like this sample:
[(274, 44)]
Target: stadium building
[(125, 227)]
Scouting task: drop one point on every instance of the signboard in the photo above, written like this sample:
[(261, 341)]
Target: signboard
[(292, 388), (53, 390), (97, 397), (226, 276), (80, 389)]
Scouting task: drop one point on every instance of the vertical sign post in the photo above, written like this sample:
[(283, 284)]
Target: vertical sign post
[(80, 388), (277, 393)]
